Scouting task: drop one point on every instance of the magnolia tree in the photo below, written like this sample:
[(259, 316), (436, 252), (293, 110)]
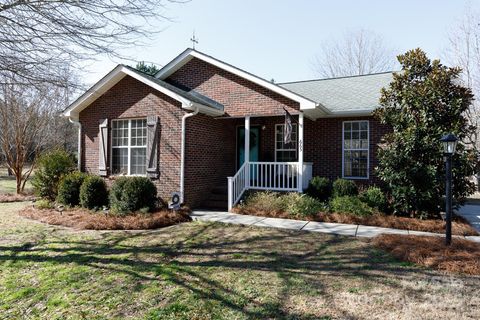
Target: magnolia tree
[(423, 102)]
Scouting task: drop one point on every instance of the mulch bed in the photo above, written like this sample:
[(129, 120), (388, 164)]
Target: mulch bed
[(462, 256), (80, 218), (459, 225), (13, 197)]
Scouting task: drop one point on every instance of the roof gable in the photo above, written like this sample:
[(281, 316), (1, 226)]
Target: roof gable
[(189, 54), (188, 100)]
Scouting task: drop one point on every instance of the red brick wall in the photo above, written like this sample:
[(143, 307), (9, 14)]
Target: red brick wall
[(323, 146), (239, 96), (209, 156), (128, 99)]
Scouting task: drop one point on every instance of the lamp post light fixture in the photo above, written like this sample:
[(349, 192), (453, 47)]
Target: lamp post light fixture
[(449, 142)]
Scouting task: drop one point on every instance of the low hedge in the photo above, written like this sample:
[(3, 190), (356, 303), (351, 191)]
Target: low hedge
[(320, 188), (344, 187), (130, 194), (69, 188), (351, 205), (93, 193)]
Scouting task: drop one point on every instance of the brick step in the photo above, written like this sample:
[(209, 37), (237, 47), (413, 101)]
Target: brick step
[(220, 190), (218, 197), (215, 204)]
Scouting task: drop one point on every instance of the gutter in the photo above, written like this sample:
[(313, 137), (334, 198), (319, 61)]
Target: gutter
[(182, 157), (79, 147)]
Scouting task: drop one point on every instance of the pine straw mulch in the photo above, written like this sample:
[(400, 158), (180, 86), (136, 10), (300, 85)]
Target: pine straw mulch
[(462, 256), (13, 197), (80, 218), (459, 225)]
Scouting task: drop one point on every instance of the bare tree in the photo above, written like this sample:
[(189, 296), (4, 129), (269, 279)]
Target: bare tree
[(39, 37), (464, 51), (359, 52), (27, 125)]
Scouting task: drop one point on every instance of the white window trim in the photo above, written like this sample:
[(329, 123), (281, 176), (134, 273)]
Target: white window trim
[(294, 128), (129, 148), (368, 150)]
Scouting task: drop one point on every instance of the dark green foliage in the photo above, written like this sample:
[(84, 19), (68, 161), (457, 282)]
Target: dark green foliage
[(69, 188), (148, 69), (320, 188), (93, 193), (422, 103), (350, 204), (344, 187), (130, 194), (51, 167), (375, 198)]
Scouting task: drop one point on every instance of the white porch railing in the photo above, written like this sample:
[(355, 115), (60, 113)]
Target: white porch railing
[(275, 176), (237, 186)]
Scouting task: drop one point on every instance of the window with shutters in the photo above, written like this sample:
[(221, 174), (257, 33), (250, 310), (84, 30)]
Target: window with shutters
[(355, 149), (129, 146)]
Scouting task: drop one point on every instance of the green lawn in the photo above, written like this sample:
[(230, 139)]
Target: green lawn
[(213, 271), (8, 184)]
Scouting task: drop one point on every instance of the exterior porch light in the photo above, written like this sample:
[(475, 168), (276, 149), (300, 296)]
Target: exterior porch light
[(449, 142)]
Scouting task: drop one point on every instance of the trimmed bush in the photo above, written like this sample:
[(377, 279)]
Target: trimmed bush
[(51, 167), (344, 187), (350, 204), (375, 198), (302, 205), (93, 193), (320, 188), (69, 188), (43, 204), (130, 194), (266, 201)]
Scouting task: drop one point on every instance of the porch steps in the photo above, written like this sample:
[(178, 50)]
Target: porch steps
[(217, 199)]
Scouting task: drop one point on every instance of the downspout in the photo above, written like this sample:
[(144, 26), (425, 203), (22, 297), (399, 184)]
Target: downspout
[(182, 156), (79, 147)]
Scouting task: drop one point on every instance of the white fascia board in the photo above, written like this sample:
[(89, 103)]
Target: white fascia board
[(112, 78), (92, 94), (351, 113), (188, 54)]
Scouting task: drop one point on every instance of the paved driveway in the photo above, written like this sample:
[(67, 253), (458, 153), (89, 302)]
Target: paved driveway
[(471, 212)]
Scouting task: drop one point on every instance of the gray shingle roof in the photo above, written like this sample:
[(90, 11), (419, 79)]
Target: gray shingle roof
[(345, 94), (190, 95)]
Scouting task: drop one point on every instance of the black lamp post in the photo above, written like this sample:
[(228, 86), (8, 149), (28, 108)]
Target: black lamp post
[(449, 142)]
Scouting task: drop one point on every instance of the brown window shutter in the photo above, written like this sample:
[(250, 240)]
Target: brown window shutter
[(103, 147), (153, 134)]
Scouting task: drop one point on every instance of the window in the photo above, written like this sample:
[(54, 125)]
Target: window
[(129, 146), (285, 152), (355, 149)]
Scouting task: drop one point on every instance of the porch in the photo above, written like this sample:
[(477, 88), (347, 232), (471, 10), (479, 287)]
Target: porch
[(282, 174)]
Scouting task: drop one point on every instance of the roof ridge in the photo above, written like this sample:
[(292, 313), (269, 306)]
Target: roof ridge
[(341, 77)]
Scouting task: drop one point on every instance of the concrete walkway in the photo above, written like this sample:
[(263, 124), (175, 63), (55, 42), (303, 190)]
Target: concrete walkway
[(471, 212), (323, 227)]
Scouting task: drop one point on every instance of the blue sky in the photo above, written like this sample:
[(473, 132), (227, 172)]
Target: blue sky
[(279, 39)]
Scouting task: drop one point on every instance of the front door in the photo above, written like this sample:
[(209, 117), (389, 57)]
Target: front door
[(254, 145)]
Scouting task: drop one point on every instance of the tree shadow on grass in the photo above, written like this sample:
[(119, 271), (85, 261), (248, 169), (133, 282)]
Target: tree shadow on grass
[(194, 256)]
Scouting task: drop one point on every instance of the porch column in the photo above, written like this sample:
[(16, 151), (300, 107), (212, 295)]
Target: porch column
[(247, 150), (300, 152)]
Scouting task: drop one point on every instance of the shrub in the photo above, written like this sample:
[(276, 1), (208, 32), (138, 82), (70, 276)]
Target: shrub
[(51, 167), (301, 205), (69, 188), (344, 187), (93, 193), (374, 197), (350, 204), (43, 204), (265, 202), (130, 194), (320, 188)]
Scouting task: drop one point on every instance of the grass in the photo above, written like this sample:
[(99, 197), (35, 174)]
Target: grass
[(213, 271), (9, 185)]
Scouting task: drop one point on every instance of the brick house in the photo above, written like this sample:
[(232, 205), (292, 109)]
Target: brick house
[(210, 131)]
